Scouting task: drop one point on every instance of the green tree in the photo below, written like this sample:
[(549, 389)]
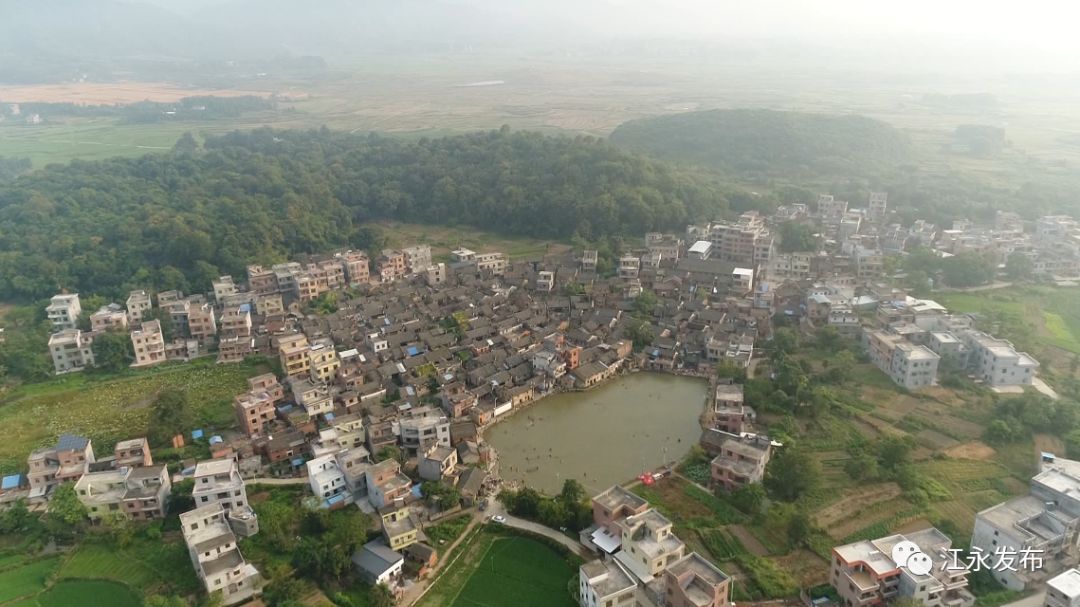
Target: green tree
[(791, 474), (171, 415), (749, 498), (796, 236), (645, 304), (967, 270), (799, 528), (113, 351), (572, 492), (641, 333), (118, 527), (380, 596), (67, 515), (861, 467), (893, 452)]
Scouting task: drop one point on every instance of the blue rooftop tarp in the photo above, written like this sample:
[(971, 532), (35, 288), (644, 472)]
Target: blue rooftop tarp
[(196, 434), (412, 351), (416, 491), (245, 307), (11, 482), (329, 416), (334, 499), (297, 462), (215, 439)]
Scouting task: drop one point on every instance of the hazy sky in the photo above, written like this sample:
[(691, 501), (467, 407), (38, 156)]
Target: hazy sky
[(920, 34)]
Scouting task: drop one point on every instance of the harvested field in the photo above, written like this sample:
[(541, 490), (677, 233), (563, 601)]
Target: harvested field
[(808, 568), (860, 518), (110, 93), (855, 500), (748, 540), (881, 426), (938, 441), (972, 450)]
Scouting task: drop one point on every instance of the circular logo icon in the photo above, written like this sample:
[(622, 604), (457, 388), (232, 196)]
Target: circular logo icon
[(902, 551), (920, 564)]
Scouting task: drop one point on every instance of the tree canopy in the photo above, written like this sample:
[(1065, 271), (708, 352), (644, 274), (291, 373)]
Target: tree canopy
[(180, 219)]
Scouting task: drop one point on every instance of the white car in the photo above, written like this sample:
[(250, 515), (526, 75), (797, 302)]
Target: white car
[(498, 518)]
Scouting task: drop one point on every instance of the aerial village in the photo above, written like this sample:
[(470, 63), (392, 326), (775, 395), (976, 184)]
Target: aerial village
[(406, 355)]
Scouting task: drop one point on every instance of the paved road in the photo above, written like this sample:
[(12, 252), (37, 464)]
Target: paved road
[(572, 544)]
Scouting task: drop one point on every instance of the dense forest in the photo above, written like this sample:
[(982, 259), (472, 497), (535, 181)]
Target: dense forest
[(768, 142), (177, 220)]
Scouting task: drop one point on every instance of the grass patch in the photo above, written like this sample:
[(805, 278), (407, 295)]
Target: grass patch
[(448, 530), (108, 409), (152, 566), (493, 564), (86, 593), (27, 580), (688, 505)]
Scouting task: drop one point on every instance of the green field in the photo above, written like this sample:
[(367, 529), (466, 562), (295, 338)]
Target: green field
[(491, 567), (1036, 318), (161, 567), (110, 409), (84, 593), (26, 580)]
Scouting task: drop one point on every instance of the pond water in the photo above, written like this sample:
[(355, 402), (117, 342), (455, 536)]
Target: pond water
[(601, 437)]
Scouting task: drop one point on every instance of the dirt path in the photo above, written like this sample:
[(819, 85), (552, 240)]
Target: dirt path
[(747, 539)]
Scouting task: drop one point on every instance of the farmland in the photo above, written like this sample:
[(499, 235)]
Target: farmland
[(95, 575), (107, 409), (493, 564)]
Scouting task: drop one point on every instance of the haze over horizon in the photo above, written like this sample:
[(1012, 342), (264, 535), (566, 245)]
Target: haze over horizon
[(916, 36)]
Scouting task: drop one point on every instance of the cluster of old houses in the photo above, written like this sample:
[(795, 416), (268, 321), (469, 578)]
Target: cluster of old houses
[(642, 563)]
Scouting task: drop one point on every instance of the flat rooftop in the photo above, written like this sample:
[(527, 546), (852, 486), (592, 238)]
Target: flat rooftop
[(617, 496)]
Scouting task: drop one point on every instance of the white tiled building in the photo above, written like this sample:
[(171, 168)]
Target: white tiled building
[(216, 556), (63, 311), (71, 350)]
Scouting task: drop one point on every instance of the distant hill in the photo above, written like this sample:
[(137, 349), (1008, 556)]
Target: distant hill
[(768, 142)]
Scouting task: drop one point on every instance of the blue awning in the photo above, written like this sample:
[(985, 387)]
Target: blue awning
[(11, 482)]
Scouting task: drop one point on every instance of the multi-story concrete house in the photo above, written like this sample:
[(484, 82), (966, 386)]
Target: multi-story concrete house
[(831, 209), (438, 463), (864, 573), (63, 311), (1047, 522), (236, 321), (323, 361), (314, 397), (148, 343), (399, 529), (218, 481), (424, 428), (417, 258), (261, 280), (693, 581), (613, 505), (629, 267), (140, 493), (327, 481), (908, 365), (138, 304), (746, 241), (1063, 590), (648, 544), (996, 362), (132, 453), (606, 583), (71, 350), (202, 323), (491, 263), (109, 318), (255, 411), (729, 412), (293, 353), (392, 265), (435, 274), (357, 267), (545, 280), (269, 305), (53, 466), (589, 259), (385, 483), (216, 556), (741, 461), (223, 287), (235, 349)]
